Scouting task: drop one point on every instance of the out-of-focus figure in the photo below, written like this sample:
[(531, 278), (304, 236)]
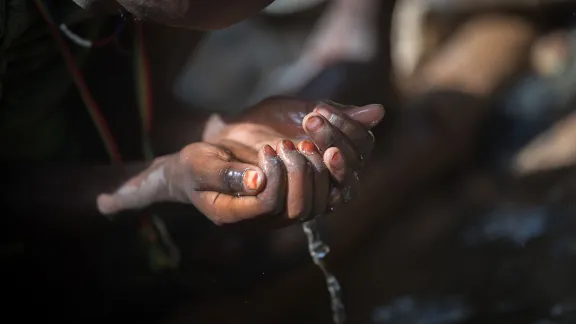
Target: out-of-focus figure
[(533, 90), (279, 53)]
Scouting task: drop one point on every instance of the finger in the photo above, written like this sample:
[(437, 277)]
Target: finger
[(300, 181), (213, 169), (321, 177), (368, 116), (346, 178), (273, 199), (145, 189), (226, 209), (360, 137), (325, 135), (336, 164)]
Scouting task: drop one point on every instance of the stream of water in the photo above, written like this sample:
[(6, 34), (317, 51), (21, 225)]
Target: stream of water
[(318, 251)]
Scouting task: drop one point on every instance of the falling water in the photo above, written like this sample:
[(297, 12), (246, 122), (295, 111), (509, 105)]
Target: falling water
[(318, 251)]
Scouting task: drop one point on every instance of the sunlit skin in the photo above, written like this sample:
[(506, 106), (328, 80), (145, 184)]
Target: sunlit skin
[(285, 160)]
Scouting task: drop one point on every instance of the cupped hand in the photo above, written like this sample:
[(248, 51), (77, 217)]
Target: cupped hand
[(237, 175), (279, 186), (341, 134)]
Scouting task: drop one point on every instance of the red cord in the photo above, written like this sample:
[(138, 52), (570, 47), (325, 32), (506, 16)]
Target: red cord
[(92, 106)]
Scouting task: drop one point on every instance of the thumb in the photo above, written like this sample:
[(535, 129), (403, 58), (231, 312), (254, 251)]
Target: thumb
[(369, 116), (213, 168)]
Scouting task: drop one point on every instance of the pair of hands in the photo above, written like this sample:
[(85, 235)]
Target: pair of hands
[(284, 160)]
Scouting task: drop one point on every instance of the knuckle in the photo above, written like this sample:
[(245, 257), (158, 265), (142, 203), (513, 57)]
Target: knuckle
[(338, 121)]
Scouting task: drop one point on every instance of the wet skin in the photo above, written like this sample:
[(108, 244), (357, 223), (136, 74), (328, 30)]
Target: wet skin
[(285, 160)]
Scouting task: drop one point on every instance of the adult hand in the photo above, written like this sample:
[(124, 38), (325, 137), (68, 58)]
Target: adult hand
[(237, 175)]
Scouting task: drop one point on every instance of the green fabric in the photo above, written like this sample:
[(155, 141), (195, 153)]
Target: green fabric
[(34, 80)]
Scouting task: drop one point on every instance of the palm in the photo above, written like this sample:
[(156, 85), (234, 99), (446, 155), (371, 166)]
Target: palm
[(265, 123)]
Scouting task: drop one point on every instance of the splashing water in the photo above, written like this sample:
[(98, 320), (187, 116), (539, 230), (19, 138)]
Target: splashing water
[(318, 251)]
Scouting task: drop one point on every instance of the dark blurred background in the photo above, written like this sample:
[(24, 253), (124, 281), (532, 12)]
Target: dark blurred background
[(468, 208)]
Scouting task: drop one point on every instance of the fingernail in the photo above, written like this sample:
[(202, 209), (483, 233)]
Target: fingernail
[(270, 151), (307, 147), (336, 161), (324, 112), (314, 124), (251, 180), (288, 145)]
